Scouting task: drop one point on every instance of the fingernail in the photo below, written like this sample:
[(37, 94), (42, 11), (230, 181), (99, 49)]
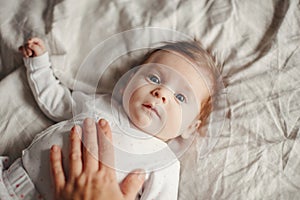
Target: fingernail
[(89, 121), (141, 177), (54, 148), (140, 174), (102, 122), (75, 129), (78, 129)]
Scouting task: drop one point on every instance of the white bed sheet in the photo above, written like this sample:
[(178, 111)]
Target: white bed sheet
[(257, 154)]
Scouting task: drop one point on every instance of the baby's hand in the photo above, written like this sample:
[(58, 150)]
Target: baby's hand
[(33, 47)]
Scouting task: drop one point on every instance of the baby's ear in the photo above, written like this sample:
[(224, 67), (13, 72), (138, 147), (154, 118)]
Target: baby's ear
[(191, 129)]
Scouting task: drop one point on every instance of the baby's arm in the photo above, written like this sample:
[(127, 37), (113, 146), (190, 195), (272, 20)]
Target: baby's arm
[(54, 99)]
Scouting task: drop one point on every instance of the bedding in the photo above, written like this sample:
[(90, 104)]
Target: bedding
[(256, 155)]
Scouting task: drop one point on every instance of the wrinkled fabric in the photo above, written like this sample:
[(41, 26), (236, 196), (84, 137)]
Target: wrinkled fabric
[(257, 153)]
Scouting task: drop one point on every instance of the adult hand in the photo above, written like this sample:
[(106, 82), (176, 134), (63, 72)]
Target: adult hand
[(88, 177)]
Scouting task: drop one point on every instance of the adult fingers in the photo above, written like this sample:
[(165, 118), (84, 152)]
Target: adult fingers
[(75, 153), (57, 169), (90, 149), (106, 150), (133, 182)]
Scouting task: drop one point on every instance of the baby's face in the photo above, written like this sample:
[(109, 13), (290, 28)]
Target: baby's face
[(165, 95)]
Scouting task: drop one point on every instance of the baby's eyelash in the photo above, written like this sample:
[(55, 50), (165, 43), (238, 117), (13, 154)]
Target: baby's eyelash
[(154, 78), (181, 98)]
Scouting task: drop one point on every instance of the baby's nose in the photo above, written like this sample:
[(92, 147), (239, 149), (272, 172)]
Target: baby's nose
[(160, 93)]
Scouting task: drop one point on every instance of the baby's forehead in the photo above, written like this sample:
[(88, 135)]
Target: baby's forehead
[(163, 55), (176, 60)]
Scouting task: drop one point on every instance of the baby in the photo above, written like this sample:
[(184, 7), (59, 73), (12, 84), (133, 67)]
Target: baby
[(167, 97)]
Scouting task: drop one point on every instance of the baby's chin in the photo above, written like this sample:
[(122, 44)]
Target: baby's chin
[(147, 126), (142, 124), (149, 129)]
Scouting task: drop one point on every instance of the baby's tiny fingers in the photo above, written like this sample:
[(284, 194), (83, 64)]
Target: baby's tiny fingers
[(37, 50), (37, 41), (28, 52), (22, 49)]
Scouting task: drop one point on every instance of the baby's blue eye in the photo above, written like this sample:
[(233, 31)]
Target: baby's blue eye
[(154, 79), (180, 97)]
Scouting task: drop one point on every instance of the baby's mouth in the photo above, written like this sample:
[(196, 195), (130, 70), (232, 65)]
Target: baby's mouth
[(151, 107)]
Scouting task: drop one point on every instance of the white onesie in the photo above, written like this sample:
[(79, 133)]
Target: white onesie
[(131, 153)]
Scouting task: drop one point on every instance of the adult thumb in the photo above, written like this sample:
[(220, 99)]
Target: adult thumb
[(131, 185)]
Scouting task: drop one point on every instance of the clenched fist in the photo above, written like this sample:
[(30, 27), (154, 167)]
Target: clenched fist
[(33, 47)]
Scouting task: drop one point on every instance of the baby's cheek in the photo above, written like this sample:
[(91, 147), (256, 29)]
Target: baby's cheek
[(175, 117)]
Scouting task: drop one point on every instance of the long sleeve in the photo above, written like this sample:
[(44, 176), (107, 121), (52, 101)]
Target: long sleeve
[(53, 98), (162, 184)]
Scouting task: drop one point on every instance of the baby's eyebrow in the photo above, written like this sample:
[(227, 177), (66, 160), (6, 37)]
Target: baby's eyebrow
[(182, 85), (187, 90)]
